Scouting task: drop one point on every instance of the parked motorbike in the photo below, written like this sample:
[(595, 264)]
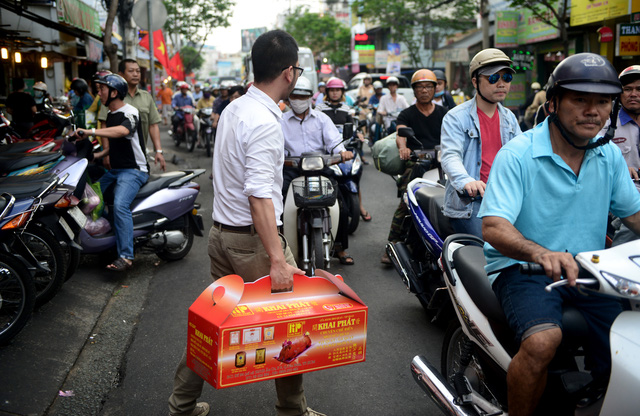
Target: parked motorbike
[(185, 129), (165, 217), (207, 133), (311, 211), (478, 346)]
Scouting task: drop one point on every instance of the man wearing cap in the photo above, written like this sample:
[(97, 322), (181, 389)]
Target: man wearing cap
[(472, 134), (425, 118)]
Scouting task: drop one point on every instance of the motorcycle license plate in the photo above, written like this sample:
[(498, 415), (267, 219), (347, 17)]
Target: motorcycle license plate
[(209, 130), (78, 216), (66, 228)]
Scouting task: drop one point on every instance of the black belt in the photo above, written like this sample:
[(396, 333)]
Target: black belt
[(246, 229)]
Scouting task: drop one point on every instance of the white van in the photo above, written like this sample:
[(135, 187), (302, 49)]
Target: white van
[(307, 62)]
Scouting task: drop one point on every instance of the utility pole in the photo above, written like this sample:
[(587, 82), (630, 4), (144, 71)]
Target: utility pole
[(484, 16)]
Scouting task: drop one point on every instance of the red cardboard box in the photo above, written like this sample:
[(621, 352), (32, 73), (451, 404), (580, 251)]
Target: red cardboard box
[(241, 333)]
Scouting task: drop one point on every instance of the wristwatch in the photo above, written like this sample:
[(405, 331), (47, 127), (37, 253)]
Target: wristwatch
[(93, 131), (159, 151)]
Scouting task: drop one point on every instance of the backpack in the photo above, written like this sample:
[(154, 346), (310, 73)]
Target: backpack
[(386, 156)]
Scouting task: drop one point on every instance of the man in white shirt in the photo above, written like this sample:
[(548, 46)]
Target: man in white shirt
[(309, 130), (391, 105), (247, 204)]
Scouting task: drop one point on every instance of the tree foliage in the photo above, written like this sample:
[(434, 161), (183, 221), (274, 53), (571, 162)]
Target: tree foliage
[(191, 59), (322, 34), (194, 19), (412, 22), (551, 12)]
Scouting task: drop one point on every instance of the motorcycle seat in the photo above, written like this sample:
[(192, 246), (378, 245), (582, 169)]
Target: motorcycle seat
[(431, 199), (10, 162), (19, 147), (23, 189), (40, 177), (469, 261), (157, 182)]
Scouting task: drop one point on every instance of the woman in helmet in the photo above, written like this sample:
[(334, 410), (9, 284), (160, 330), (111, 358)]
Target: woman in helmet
[(84, 100), (40, 95), (391, 105), (334, 104), (442, 96), (549, 196), (129, 168)]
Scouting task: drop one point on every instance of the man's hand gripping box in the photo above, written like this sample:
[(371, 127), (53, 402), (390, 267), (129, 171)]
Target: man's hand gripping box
[(241, 333)]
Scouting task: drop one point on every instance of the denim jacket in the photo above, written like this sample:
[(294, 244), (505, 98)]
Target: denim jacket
[(462, 151)]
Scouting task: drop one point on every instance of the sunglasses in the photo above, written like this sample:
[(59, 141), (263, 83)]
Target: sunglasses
[(508, 77)]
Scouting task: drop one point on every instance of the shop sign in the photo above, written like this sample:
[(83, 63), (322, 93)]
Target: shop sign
[(451, 55), (628, 39), (366, 57), (94, 49), (531, 29), (516, 96), (79, 14), (590, 11), (507, 28)]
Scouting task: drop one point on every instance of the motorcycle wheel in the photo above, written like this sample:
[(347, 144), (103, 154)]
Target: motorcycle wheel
[(172, 254), (353, 211), (48, 251), (316, 251), (17, 297), (207, 143), (452, 351), (192, 140), (73, 261)]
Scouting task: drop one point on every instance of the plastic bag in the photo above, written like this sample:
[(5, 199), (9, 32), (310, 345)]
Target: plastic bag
[(90, 199), (97, 211), (97, 227), (386, 156)]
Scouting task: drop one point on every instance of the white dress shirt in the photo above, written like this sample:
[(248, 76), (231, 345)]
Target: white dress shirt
[(313, 134), (248, 158), (390, 107)]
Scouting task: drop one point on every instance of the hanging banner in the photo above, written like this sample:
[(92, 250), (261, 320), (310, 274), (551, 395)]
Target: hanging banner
[(589, 11), (80, 15), (507, 28), (531, 29)]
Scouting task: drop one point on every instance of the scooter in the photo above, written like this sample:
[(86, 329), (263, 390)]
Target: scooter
[(478, 346), (185, 129), (165, 217), (311, 211), (207, 132)]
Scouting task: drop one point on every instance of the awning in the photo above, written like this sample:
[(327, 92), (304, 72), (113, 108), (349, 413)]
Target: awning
[(458, 51)]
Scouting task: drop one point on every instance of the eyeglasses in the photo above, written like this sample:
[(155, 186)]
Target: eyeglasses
[(300, 70), (629, 90), (426, 87), (508, 77)]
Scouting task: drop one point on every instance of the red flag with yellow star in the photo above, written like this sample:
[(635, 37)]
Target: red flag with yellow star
[(159, 47), (176, 69)]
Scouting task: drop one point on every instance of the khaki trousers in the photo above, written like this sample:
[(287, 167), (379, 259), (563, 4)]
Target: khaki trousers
[(244, 255)]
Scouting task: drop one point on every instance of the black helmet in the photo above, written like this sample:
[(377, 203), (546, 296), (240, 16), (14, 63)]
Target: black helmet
[(584, 72), (440, 75), (630, 74), (100, 74), (80, 86), (116, 82)]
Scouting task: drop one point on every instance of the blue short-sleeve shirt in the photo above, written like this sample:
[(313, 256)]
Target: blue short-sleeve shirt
[(537, 192)]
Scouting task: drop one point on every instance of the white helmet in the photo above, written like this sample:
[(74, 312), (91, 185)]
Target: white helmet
[(303, 87), (377, 84), (393, 79)]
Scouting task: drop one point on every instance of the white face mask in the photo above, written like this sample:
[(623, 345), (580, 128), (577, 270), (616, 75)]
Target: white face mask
[(300, 106)]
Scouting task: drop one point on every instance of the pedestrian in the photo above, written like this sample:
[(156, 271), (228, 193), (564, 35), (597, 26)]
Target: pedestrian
[(247, 204), (144, 103), (165, 95), (425, 118), (472, 134), (129, 167), (549, 193), (22, 107)]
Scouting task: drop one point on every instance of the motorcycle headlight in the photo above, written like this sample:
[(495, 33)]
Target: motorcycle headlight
[(312, 163), (625, 287), (357, 163), (336, 170)]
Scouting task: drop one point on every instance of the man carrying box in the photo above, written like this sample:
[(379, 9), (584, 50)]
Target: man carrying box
[(247, 204)]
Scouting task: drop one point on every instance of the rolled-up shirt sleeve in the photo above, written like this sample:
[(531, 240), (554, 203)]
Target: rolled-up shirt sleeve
[(264, 149)]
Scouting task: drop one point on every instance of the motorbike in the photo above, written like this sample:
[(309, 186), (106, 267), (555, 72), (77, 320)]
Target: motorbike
[(165, 217), (311, 211), (186, 128), (18, 265), (207, 132), (478, 345)]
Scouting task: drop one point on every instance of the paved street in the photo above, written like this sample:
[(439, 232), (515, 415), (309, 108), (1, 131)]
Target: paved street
[(110, 342)]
